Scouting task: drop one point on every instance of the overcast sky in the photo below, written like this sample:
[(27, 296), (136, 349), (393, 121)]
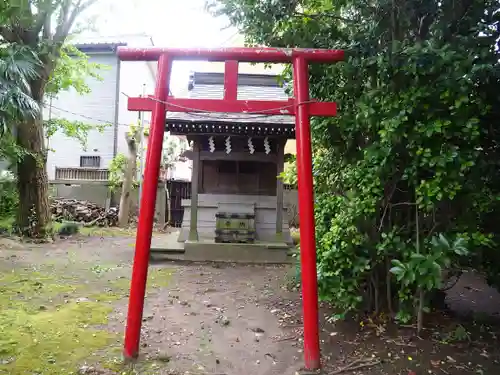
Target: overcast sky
[(171, 23)]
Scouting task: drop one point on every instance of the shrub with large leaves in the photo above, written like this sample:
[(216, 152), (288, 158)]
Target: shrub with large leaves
[(18, 65), (412, 160)]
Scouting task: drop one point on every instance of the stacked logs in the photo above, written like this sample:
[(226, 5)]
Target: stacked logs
[(87, 213)]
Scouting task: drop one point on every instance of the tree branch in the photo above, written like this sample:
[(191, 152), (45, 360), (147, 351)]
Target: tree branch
[(8, 34), (323, 15), (62, 21), (42, 20), (67, 17)]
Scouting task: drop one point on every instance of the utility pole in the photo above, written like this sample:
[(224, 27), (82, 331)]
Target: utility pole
[(141, 149)]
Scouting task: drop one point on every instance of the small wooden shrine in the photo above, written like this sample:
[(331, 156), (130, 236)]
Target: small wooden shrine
[(236, 195)]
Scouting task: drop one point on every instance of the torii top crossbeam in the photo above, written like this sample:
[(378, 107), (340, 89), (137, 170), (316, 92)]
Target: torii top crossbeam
[(301, 106), (243, 54)]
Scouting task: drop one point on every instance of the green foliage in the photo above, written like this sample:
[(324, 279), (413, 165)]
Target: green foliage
[(116, 171), (68, 228), (408, 171), (18, 65), (77, 130), (72, 71), (289, 174), (10, 152), (173, 147), (39, 30), (9, 198)]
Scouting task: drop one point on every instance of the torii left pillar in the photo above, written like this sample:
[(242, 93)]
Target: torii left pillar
[(147, 210), (301, 106)]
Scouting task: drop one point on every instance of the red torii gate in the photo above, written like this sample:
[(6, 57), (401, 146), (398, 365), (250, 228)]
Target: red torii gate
[(301, 106)]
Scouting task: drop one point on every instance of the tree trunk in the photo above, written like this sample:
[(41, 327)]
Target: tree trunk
[(34, 212), (169, 208), (128, 180)]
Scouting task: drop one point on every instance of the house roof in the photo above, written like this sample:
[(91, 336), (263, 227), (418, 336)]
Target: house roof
[(92, 43), (101, 44), (250, 87), (99, 47)]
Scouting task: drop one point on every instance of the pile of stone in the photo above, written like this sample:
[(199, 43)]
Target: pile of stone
[(87, 213)]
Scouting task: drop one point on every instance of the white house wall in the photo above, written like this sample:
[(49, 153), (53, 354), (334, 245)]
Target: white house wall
[(97, 108), (133, 76)]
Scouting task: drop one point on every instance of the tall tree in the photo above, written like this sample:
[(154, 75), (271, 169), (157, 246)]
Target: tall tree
[(133, 138), (406, 176), (42, 26)]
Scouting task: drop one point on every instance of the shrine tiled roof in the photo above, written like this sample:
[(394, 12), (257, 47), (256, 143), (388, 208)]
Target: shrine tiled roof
[(232, 127), (250, 87)]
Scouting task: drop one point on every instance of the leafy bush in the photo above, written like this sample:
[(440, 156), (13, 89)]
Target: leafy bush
[(407, 182), (9, 199)]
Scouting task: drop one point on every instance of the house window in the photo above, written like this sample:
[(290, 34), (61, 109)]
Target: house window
[(90, 161)]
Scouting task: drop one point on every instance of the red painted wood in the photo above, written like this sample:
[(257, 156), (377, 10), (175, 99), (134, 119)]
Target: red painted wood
[(146, 214), (242, 54), (231, 80), (306, 212), (325, 109)]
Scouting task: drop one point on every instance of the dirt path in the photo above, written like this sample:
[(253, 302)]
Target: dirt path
[(219, 321), (200, 319)]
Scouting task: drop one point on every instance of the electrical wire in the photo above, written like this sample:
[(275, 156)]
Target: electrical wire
[(251, 115), (87, 117)]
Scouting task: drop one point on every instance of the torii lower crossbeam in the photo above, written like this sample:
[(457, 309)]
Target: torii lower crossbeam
[(301, 106)]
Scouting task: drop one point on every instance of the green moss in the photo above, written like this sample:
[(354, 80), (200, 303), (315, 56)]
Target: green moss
[(39, 337), (31, 287), (53, 341), (159, 277), (98, 231), (44, 330)]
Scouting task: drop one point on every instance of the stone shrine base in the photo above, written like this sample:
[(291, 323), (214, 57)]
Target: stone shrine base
[(168, 248)]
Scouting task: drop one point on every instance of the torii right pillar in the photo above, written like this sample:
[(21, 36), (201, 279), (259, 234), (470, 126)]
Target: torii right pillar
[(306, 212)]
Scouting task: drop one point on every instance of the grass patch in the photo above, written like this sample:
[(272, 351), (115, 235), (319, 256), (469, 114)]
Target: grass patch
[(51, 342), (23, 289), (39, 337), (6, 225), (97, 231), (45, 329)]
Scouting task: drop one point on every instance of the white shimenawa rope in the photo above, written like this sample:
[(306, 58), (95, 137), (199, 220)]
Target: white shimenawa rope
[(228, 145), (211, 144), (251, 147), (267, 147)]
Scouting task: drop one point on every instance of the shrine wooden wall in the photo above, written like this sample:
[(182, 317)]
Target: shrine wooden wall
[(238, 177)]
